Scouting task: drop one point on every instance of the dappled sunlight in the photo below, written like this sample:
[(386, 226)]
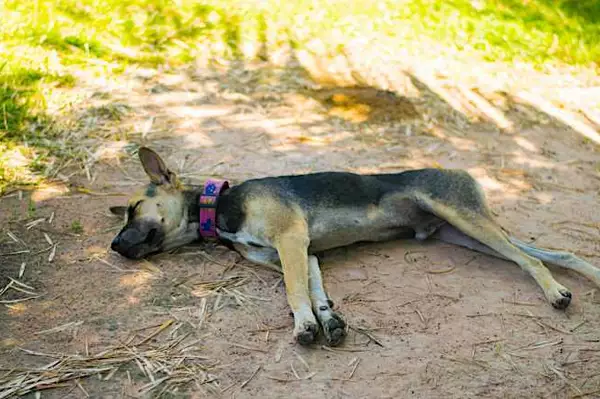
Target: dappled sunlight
[(356, 113), (199, 112), (320, 129), (333, 73), (565, 116), (137, 279), (114, 150), (365, 170), (17, 309), (356, 104), (175, 80), (48, 191), (101, 81), (162, 100), (10, 342), (525, 144), (525, 160), (437, 132), (284, 147), (133, 300), (196, 140), (542, 197), (95, 251), (14, 163), (492, 185), (519, 184), (359, 105), (450, 96), (301, 102), (295, 114), (137, 51), (403, 164), (486, 109), (258, 122), (323, 141), (292, 117), (463, 144)]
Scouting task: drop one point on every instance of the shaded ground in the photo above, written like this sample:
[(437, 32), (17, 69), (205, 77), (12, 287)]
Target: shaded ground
[(441, 321)]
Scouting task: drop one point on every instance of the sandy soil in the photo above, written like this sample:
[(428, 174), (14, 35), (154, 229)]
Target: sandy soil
[(428, 319)]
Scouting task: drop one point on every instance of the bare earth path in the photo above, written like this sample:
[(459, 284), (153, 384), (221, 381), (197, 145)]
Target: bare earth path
[(428, 320)]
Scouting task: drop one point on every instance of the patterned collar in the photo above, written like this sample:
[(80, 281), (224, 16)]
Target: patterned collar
[(208, 206)]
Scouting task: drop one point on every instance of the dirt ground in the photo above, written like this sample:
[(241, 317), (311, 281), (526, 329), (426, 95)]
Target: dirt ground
[(428, 320)]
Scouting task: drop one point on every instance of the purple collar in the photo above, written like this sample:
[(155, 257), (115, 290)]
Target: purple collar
[(208, 206)]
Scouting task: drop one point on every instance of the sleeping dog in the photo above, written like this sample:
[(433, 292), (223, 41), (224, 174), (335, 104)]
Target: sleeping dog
[(281, 222)]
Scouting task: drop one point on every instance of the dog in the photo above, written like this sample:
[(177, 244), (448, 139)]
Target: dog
[(281, 222)]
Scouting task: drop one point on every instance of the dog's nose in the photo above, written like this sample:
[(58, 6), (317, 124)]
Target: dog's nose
[(115, 243)]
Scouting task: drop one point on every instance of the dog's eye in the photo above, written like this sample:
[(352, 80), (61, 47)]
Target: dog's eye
[(162, 220), (131, 210)]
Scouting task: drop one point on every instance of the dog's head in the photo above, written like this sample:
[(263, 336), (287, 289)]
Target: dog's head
[(155, 216)]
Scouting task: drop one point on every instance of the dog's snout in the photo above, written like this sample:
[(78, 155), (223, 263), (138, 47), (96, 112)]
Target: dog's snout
[(151, 235), (137, 239), (126, 239), (131, 236), (114, 245)]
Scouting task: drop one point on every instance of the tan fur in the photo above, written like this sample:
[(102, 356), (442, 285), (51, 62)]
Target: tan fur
[(166, 206), (285, 228)]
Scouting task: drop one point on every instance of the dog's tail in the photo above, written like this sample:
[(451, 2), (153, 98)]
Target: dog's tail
[(560, 258)]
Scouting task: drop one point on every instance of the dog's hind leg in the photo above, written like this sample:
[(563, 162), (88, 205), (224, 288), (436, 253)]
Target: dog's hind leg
[(567, 260), (451, 235), (482, 228), (560, 258), (333, 325)]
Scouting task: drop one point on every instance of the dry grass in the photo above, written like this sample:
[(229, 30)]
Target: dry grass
[(167, 366), (15, 285), (225, 290)]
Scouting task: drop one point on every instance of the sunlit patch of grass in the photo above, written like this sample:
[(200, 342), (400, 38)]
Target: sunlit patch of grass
[(26, 134), (14, 166), (43, 41)]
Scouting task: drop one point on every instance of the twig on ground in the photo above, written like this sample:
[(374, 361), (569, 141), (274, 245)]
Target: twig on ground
[(365, 332), (63, 327), (250, 348), (280, 379), (340, 349), (251, 377)]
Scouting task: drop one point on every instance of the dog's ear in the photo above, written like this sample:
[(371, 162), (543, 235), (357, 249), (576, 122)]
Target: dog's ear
[(118, 210), (155, 167)]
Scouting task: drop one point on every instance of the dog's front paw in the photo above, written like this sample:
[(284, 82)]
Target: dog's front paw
[(334, 329), (306, 334)]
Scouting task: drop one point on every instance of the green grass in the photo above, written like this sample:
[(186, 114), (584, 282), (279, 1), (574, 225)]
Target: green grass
[(42, 43), (76, 227)]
